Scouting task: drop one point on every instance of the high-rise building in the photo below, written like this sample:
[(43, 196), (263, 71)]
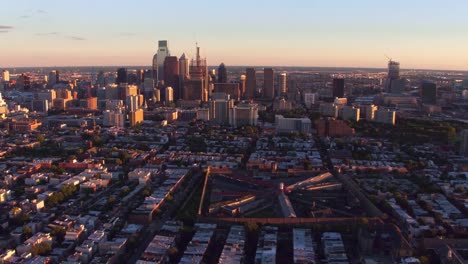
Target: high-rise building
[(222, 73), (140, 73), (338, 87), (243, 114), (428, 93), (52, 79), (132, 103), (169, 95), (268, 83), (219, 110), (282, 84), (250, 83), (393, 83), (163, 52), (154, 68), (121, 75), (5, 76), (184, 67), (196, 87), (242, 85), (232, 89), (171, 75), (393, 70), (310, 99)]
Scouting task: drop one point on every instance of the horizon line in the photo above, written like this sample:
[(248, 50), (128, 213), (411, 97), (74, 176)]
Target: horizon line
[(247, 66)]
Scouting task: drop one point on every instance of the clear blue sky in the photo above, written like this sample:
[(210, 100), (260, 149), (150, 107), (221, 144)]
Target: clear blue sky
[(355, 33)]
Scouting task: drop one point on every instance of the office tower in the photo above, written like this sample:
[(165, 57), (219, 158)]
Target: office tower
[(338, 87), (169, 95), (222, 74), (393, 70), (154, 68), (132, 102), (184, 67), (310, 99), (243, 114), (3, 106), (140, 76), (282, 84), (132, 77), (52, 80), (242, 85), (268, 83), (171, 75), (196, 87), (100, 79), (112, 92), (219, 110), (57, 76), (464, 143), (232, 89), (122, 75), (5, 76), (163, 52), (428, 92), (148, 88), (250, 83), (393, 83)]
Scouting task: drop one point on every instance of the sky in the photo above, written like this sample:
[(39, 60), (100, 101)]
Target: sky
[(420, 34)]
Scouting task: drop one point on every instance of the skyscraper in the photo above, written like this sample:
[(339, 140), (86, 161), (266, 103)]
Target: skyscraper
[(171, 75), (184, 67), (196, 87), (169, 95), (222, 73), (338, 87), (154, 70), (428, 92), (121, 75), (282, 84), (393, 83), (52, 80), (5, 76), (393, 70), (268, 83), (163, 52), (242, 85), (250, 83)]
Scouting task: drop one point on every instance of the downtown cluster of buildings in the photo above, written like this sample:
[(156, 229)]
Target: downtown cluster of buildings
[(106, 167)]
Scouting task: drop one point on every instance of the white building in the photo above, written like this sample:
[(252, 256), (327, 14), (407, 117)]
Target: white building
[(243, 114), (287, 125)]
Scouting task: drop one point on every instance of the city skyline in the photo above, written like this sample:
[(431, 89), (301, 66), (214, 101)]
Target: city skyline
[(420, 34)]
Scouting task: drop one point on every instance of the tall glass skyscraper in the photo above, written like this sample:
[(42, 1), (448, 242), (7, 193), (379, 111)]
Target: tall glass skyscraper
[(163, 52)]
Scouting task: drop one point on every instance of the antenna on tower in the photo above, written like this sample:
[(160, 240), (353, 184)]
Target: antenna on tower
[(390, 59)]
